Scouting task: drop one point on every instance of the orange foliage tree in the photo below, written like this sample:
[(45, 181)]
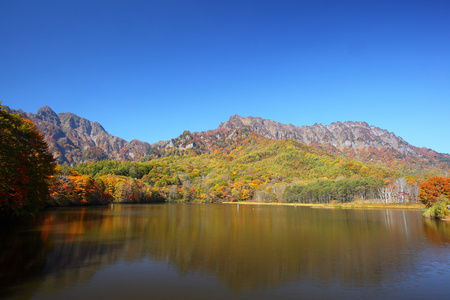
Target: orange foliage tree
[(26, 166), (76, 189), (434, 187)]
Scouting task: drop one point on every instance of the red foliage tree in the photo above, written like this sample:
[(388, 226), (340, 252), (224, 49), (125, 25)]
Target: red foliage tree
[(26, 166), (434, 187)]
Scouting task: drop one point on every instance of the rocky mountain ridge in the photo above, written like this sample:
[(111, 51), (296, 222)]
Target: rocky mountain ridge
[(355, 135), (356, 140), (73, 139)]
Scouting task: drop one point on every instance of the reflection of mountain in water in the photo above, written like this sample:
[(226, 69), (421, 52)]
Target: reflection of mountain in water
[(257, 247), (250, 247)]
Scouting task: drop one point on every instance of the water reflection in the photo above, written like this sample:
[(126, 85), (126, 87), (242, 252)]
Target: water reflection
[(250, 248), (437, 232), (22, 256)]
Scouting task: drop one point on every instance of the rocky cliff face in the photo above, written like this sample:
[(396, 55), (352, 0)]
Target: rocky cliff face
[(357, 140), (73, 139), (355, 135)]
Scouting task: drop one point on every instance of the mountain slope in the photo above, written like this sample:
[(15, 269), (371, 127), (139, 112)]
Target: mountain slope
[(356, 140), (256, 168), (73, 139)]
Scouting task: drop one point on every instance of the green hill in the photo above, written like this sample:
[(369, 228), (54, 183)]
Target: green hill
[(249, 168)]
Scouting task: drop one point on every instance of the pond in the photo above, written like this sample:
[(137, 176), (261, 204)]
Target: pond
[(225, 251)]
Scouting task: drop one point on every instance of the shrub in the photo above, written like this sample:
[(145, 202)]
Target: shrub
[(439, 210)]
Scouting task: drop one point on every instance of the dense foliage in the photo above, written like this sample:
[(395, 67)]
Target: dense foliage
[(215, 166), (325, 191), (427, 160), (433, 188), (440, 209), (252, 168), (26, 166)]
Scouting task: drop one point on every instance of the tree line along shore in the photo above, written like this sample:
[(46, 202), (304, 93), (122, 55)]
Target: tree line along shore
[(30, 179)]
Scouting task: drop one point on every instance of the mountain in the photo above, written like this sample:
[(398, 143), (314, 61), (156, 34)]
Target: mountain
[(355, 135), (73, 139), (356, 140)]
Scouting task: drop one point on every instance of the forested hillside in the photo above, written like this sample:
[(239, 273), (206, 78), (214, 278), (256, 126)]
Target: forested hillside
[(253, 168), (73, 139), (244, 159)]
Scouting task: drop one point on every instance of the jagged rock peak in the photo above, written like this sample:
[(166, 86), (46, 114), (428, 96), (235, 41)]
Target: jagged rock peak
[(74, 121), (235, 117), (45, 110), (338, 134), (45, 113), (234, 121), (70, 137), (237, 121)]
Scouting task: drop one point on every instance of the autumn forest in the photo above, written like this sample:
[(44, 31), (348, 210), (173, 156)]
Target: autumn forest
[(217, 166)]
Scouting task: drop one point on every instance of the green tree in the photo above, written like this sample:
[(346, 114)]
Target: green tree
[(440, 209), (26, 166)]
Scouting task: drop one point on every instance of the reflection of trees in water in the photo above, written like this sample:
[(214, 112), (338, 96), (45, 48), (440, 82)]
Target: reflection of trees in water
[(250, 248), (437, 232), (53, 247), (22, 255), (261, 246)]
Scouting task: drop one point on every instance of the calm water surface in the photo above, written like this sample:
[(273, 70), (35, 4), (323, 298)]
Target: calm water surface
[(223, 251)]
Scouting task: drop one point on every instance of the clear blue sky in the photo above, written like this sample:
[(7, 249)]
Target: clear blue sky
[(149, 70)]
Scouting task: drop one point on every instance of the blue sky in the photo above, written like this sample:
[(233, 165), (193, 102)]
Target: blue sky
[(149, 70)]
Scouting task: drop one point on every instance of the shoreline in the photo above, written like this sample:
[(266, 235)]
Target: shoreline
[(338, 205)]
